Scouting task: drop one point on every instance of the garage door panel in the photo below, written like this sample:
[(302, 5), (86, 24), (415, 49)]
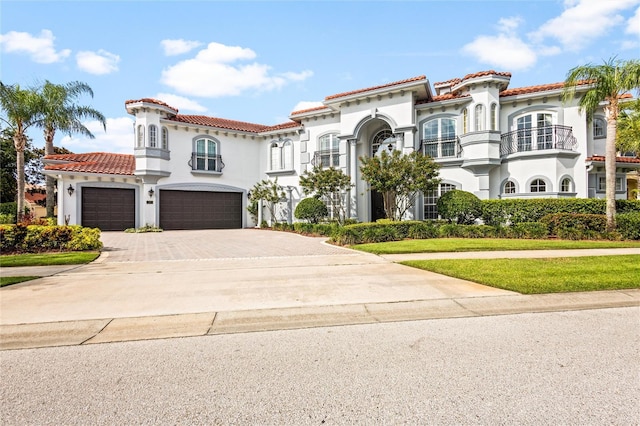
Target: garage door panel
[(200, 210), (110, 209)]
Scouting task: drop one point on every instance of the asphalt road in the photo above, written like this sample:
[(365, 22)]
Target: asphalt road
[(580, 367)]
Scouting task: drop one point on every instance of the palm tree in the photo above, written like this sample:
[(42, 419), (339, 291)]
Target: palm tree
[(21, 110), (606, 84), (61, 113)]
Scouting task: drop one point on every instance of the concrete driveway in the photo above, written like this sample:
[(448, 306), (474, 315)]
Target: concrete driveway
[(186, 272)]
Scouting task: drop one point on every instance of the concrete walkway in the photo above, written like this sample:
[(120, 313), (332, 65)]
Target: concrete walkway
[(193, 283)]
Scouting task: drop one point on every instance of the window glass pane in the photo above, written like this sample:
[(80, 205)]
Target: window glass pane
[(287, 156), (165, 138), (494, 117), (275, 157), (524, 133), (448, 128), (325, 142), (479, 118), (335, 142), (211, 148), (431, 130), (152, 136), (200, 147), (509, 188)]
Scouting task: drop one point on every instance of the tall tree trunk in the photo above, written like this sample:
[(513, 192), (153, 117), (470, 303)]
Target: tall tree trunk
[(50, 180), (610, 172), (19, 141)]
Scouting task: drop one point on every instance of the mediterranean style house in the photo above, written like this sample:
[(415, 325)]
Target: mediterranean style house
[(195, 172)]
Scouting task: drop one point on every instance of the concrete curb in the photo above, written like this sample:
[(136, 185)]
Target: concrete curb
[(73, 333)]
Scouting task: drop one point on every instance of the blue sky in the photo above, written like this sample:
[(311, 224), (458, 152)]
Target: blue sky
[(258, 61)]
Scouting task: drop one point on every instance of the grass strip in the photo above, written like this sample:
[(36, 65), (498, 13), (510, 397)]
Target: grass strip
[(437, 245), (4, 281), (46, 259), (549, 275)]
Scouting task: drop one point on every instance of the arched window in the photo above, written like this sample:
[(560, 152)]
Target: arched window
[(479, 113), (509, 187), (538, 185), (287, 155), (565, 185), (439, 138), (599, 128), (281, 155), (380, 137), (153, 136), (494, 116), (165, 138), (329, 150), (465, 121), (275, 156), (206, 155), (140, 136)]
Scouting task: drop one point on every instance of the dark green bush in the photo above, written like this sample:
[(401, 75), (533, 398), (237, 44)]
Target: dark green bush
[(460, 206), (585, 224), (38, 238), (382, 231), (532, 230), (628, 225), (322, 229), (311, 209), (282, 226)]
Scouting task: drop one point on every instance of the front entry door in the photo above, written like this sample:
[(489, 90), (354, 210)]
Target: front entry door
[(377, 206)]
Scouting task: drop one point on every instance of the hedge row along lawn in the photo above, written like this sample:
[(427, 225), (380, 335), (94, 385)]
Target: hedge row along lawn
[(436, 245), (46, 259), (551, 275)]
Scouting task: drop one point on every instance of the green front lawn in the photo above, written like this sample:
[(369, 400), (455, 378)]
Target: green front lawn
[(14, 280), (46, 259), (485, 244), (551, 275)]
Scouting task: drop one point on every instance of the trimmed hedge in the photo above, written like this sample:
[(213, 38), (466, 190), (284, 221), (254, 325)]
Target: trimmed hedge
[(39, 238), (502, 212), (311, 209), (383, 231), (565, 223), (628, 225), (460, 206)]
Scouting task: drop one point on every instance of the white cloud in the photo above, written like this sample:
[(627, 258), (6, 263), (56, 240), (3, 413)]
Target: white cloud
[(302, 105), (40, 48), (509, 25), (178, 47), (502, 51), (180, 102), (100, 62), (213, 72), (633, 24), (582, 22), (118, 138)]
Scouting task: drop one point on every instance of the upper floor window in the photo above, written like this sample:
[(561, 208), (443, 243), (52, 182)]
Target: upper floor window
[(538, 185), (439, 137), (465, 121), (599, 128), (494, 116), (509, 187), (140, 136), (206, 155), (479, 115), (329, 150), (153, 136), (281, 154), (165, 138), (542, 133)]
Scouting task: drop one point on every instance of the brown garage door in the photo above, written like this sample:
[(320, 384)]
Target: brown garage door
[(110, 209), (200, 210)]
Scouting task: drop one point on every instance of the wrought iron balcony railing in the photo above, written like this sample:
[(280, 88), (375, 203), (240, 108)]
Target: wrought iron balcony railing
[(211, 163), (538, 139), (328, 158), (441, 147)]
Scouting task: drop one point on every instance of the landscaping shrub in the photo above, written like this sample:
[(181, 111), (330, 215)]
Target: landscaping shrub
[(422, 230), (38, 238), (7, 218), (585, 224), (282, 226), (628, 225), (460, 206), (453, 230), (383, 230), (311, 209), (532, 230)]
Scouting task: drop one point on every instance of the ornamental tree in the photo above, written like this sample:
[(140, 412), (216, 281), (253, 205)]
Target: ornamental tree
[(329, 183), (269, 192)]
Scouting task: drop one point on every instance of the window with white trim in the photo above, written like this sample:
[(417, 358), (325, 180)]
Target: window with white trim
[(602, 184), (431, 199), (206, 155), (329, 150), (479, 116), (494, 116), (165, 138), (509, 187), (599, 128), (153, 136), (439, 138), (465, 120), (378, 139), (281, 155), (538, 185), (542, 133), (140, 136), (565, 185)]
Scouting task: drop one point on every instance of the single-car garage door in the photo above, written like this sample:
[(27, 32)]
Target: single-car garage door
[(200, 210), (110, 209)]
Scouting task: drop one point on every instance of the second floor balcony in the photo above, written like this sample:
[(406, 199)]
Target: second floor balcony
[(206, 162), (441, 147), (538, 139)]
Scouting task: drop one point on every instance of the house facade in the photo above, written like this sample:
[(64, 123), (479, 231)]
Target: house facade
[(195, 172)]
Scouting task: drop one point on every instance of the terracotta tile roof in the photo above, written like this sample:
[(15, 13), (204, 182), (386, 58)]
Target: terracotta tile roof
[(600, 159), (93, 162), (35, 197), (221, 123), (538, 88), (368, 89), (485, 73), (150, 101), (444, 97), (287, 125), (303, 111), (450, 82)]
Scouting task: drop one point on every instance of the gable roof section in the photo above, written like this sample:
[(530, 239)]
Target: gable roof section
[(374, 88), (92, 162)]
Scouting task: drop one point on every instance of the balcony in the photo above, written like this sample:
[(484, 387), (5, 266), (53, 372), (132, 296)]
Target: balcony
[(441, 147), (325, 159), (538, 139), (206, 163)]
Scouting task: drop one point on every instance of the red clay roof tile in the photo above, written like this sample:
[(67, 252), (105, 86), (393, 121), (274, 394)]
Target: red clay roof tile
[(538, 88), (93, 162), (485, 73), (287, 125), (150, 101), (368, 89), (303, 111), (601, 158), (221, 123)]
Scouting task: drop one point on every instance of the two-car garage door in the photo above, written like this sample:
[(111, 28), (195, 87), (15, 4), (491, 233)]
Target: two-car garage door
[(200, 210), (113, 209)]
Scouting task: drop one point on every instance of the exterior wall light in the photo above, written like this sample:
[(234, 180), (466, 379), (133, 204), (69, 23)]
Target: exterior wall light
[(70, 190), (151, 192)]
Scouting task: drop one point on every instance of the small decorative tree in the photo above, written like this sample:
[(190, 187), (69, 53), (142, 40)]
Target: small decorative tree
[(311, 209), (399, 178), (270, 192), (331, 183), (461, 206)]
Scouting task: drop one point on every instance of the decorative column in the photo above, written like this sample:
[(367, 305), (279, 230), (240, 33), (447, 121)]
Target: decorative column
[(289, 205), (259, 224), (353, 170)]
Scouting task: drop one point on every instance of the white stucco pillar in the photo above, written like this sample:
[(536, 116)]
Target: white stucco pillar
[(289, 205), (483, 186), (259, 224), (353, 170)]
